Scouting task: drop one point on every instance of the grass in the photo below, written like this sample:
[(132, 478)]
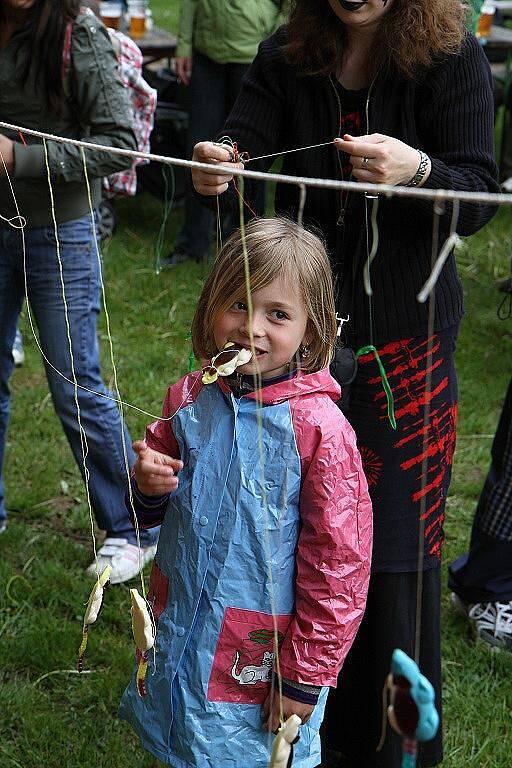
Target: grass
[(52, 717)]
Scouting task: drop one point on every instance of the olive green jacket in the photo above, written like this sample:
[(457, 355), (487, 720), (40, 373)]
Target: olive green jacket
[(227, 31), (96, 108)]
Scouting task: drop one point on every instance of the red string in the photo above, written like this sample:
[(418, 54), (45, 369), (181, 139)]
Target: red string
[(244, 201), (22, 138)]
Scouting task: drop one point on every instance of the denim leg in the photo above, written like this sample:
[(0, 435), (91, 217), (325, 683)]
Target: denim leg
[(207, 115), (99, 416), (11, 299)]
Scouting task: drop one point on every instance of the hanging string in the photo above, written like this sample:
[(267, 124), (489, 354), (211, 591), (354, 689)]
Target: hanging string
[(302, 204), (374, 249), (168, 203), (83, 436), (438, 210), (445, 251), (257, 382), (114, 372)]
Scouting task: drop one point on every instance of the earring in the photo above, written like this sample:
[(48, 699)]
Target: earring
[(304, 351)]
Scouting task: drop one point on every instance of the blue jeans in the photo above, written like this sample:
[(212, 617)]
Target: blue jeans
[(100, 417)]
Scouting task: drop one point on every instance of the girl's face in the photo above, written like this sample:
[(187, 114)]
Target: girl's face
[(364, 15), (278, 327)]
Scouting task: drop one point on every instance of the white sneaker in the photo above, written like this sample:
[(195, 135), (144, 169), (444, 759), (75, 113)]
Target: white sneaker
[(126, 560), (492, 622), (18, 353)]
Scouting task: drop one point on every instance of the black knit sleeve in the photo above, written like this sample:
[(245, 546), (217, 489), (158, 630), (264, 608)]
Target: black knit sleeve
[(459, 137)]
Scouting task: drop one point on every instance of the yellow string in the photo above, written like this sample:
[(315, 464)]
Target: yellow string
[(114, 371), (259, 421)]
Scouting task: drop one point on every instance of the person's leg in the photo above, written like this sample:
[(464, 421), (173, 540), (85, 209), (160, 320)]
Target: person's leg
[(484, 574), (11, 298), (354, 715), (207, 115), (99, 415)]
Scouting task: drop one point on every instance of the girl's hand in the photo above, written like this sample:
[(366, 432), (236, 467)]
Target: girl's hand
[(154, 471), (270, 711), (211, 182), (7, 150), (390, 161)]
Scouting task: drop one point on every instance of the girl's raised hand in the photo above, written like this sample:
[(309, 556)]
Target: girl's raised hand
[(379, 159), (154, 471), (212, 182), (270, 711)]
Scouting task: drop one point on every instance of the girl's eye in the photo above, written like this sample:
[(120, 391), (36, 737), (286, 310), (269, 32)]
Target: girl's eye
[(240, 306), (279, 314)]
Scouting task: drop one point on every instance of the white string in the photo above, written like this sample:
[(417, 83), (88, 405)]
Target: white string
[(83, 435), (288, 151), (389, 190), (373, 252)]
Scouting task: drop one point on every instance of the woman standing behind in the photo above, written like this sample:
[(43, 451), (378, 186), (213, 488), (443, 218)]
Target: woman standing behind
[(407, 91), (82, 100)]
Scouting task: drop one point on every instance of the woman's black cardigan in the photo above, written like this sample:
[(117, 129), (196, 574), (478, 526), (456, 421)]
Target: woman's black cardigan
[(448, 113)]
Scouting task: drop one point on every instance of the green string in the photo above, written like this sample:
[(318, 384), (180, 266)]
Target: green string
[(191, 356), (385, 383)]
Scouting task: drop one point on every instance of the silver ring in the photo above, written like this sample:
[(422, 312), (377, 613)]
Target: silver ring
[(366, 160)]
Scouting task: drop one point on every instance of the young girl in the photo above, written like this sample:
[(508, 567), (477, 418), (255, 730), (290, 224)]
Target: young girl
[(269, 517)]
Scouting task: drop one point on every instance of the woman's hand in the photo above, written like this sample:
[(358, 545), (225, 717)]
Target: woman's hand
[(379, 159), (212, 182), (183, 67), (270, 710), (7, 152), (154, 471)]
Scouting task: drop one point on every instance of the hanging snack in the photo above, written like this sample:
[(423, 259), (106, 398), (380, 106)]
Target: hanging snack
[(287, 736), (92, 612), (144, 631)]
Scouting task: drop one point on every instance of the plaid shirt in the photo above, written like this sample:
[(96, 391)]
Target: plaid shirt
[(143, 104)]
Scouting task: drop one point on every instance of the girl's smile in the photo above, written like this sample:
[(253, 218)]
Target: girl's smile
[(278, 328)]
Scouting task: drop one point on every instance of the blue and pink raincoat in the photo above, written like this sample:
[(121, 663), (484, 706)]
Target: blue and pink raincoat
[(294, 503)]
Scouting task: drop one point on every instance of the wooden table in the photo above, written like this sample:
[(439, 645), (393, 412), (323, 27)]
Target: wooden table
[(157, 44)]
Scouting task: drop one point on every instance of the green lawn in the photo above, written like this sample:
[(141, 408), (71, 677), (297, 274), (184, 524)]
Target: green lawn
[(50, 716)]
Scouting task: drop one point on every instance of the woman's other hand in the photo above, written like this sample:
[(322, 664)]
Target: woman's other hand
[(271, 710), (154, 471), (212, 182), (7, 153), (183, 67), (379, 159)]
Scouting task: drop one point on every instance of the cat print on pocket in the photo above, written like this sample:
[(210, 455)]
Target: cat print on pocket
[(250, 674), (245, 653)]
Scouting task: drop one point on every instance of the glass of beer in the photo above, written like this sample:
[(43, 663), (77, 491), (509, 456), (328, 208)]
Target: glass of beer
[(137, 13), (110, 14), (483, 28)]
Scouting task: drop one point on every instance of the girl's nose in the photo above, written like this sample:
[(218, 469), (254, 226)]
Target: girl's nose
[(258, 329)]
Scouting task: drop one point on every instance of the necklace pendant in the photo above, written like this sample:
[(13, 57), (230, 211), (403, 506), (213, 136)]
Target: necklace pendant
[(341, 218)]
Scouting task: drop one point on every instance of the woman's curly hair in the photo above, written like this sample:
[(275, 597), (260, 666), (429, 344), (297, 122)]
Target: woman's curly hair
[(414, 34)]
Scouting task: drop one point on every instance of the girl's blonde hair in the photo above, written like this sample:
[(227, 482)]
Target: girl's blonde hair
[(276, 248)]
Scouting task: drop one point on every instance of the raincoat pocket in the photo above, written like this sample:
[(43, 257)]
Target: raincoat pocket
[(244, 657)]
